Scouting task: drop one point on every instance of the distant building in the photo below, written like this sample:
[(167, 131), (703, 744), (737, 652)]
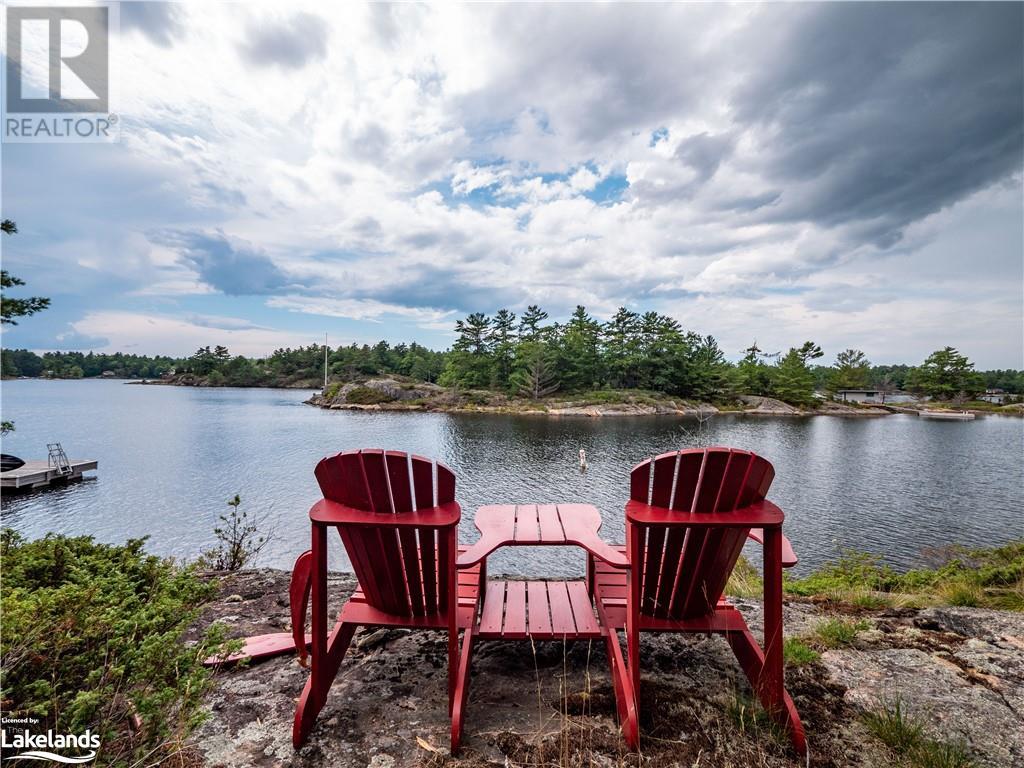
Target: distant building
[(996, 396), (108, 375), (873, 396)]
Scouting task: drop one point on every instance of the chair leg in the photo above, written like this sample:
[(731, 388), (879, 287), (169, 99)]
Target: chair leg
[(453, 666), (314, 695), (461, 689), (299, 590), (625, 694), (752, 661), (622, 681)]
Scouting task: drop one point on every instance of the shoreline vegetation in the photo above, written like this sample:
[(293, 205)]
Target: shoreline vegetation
[(632, 363), (135, 628)]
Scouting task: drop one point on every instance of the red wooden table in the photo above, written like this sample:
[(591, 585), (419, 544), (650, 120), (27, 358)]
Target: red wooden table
[(541, 610)]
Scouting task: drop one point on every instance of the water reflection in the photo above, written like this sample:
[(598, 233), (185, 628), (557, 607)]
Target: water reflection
[(170, 458)]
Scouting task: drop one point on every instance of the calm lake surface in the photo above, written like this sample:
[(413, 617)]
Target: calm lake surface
[(170, 458)]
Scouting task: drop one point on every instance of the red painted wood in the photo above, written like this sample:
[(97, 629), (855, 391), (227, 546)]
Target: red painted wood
[(493, 608), (334, 513), (445, 555), (562, 621), (640, 482), (771, 677), (664, 467), (582, 610), (527, 524), (402, 542), (514, 627), (718, 499), (299, 589), (398, 480), (550, 523), (413, 570), (538, 612), (428, 559), (579, 524), (687, 479), (423, 482), (758, 515), (445, 485), (789, 558), (654, 550), (376, 477), (356, 494), (260, 647)]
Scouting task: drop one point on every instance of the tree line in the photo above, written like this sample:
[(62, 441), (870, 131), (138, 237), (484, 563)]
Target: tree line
[(529, 356)]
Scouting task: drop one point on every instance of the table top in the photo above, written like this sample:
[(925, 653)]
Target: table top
[(530, 525)]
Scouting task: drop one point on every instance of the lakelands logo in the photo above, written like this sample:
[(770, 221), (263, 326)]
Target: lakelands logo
[(40, 746), (57, 77)]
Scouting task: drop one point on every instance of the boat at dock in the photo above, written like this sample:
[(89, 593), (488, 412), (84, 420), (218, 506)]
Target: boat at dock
[(57, 467), (947, 415)]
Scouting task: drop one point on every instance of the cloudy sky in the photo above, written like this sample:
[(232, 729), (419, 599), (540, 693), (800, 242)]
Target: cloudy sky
[(849, 174)]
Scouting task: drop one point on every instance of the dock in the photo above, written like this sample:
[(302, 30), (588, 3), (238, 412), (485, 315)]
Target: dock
[(38, 474)]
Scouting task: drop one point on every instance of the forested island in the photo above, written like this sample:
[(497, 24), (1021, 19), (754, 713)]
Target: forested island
[(631, 357)]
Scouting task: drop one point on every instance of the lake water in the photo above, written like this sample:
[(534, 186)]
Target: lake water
[(170, 457)]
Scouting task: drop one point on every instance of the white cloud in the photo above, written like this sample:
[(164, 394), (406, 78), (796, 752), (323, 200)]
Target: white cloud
[(153, 334), (423, 160)]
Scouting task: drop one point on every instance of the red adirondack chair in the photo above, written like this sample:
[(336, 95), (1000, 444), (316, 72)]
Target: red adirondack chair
[(689, 514), (401, 539)]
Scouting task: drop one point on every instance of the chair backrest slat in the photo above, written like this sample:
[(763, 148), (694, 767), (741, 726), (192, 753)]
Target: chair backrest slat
[(404, 570), (683, 571)]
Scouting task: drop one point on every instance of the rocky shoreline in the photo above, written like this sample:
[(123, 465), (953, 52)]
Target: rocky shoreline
[(390, 394), (960, 671)]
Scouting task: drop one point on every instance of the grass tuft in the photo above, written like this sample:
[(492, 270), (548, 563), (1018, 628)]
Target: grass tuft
[(836, 633), (992, 578), (905, 735), (798, 653)]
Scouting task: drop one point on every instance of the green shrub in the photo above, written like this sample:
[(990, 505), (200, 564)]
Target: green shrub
[(92, 633), (332, 390), (367, 396)]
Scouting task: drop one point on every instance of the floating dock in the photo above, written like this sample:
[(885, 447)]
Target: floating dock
[(39, 474)]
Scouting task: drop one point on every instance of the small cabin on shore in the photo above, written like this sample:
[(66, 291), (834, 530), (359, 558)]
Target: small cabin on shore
[(873, 396), (996, 396)]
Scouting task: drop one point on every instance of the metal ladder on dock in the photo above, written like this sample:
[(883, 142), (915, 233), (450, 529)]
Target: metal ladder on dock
[(58, 459)]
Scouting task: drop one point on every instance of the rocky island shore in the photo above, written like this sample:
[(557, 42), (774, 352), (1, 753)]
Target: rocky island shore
[(398, 394), (955, 673)]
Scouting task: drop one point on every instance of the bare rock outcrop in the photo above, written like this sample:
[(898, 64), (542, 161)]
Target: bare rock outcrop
[(960, 670)]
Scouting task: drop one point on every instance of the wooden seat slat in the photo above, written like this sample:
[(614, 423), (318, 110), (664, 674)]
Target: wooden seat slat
[(494, 608), (582, 610), (527, 524), (550, 523), (538, 613), (563, 623), (514, 626)]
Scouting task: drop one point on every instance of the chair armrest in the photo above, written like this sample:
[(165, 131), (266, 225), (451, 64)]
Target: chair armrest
[(333, 513), (760, 515), (788, 555)]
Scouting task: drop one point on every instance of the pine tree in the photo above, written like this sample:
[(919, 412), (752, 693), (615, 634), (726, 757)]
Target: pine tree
[(851, 370), (530, 328), (621, 343), (535, 376), (503, 348), (580, 352)]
